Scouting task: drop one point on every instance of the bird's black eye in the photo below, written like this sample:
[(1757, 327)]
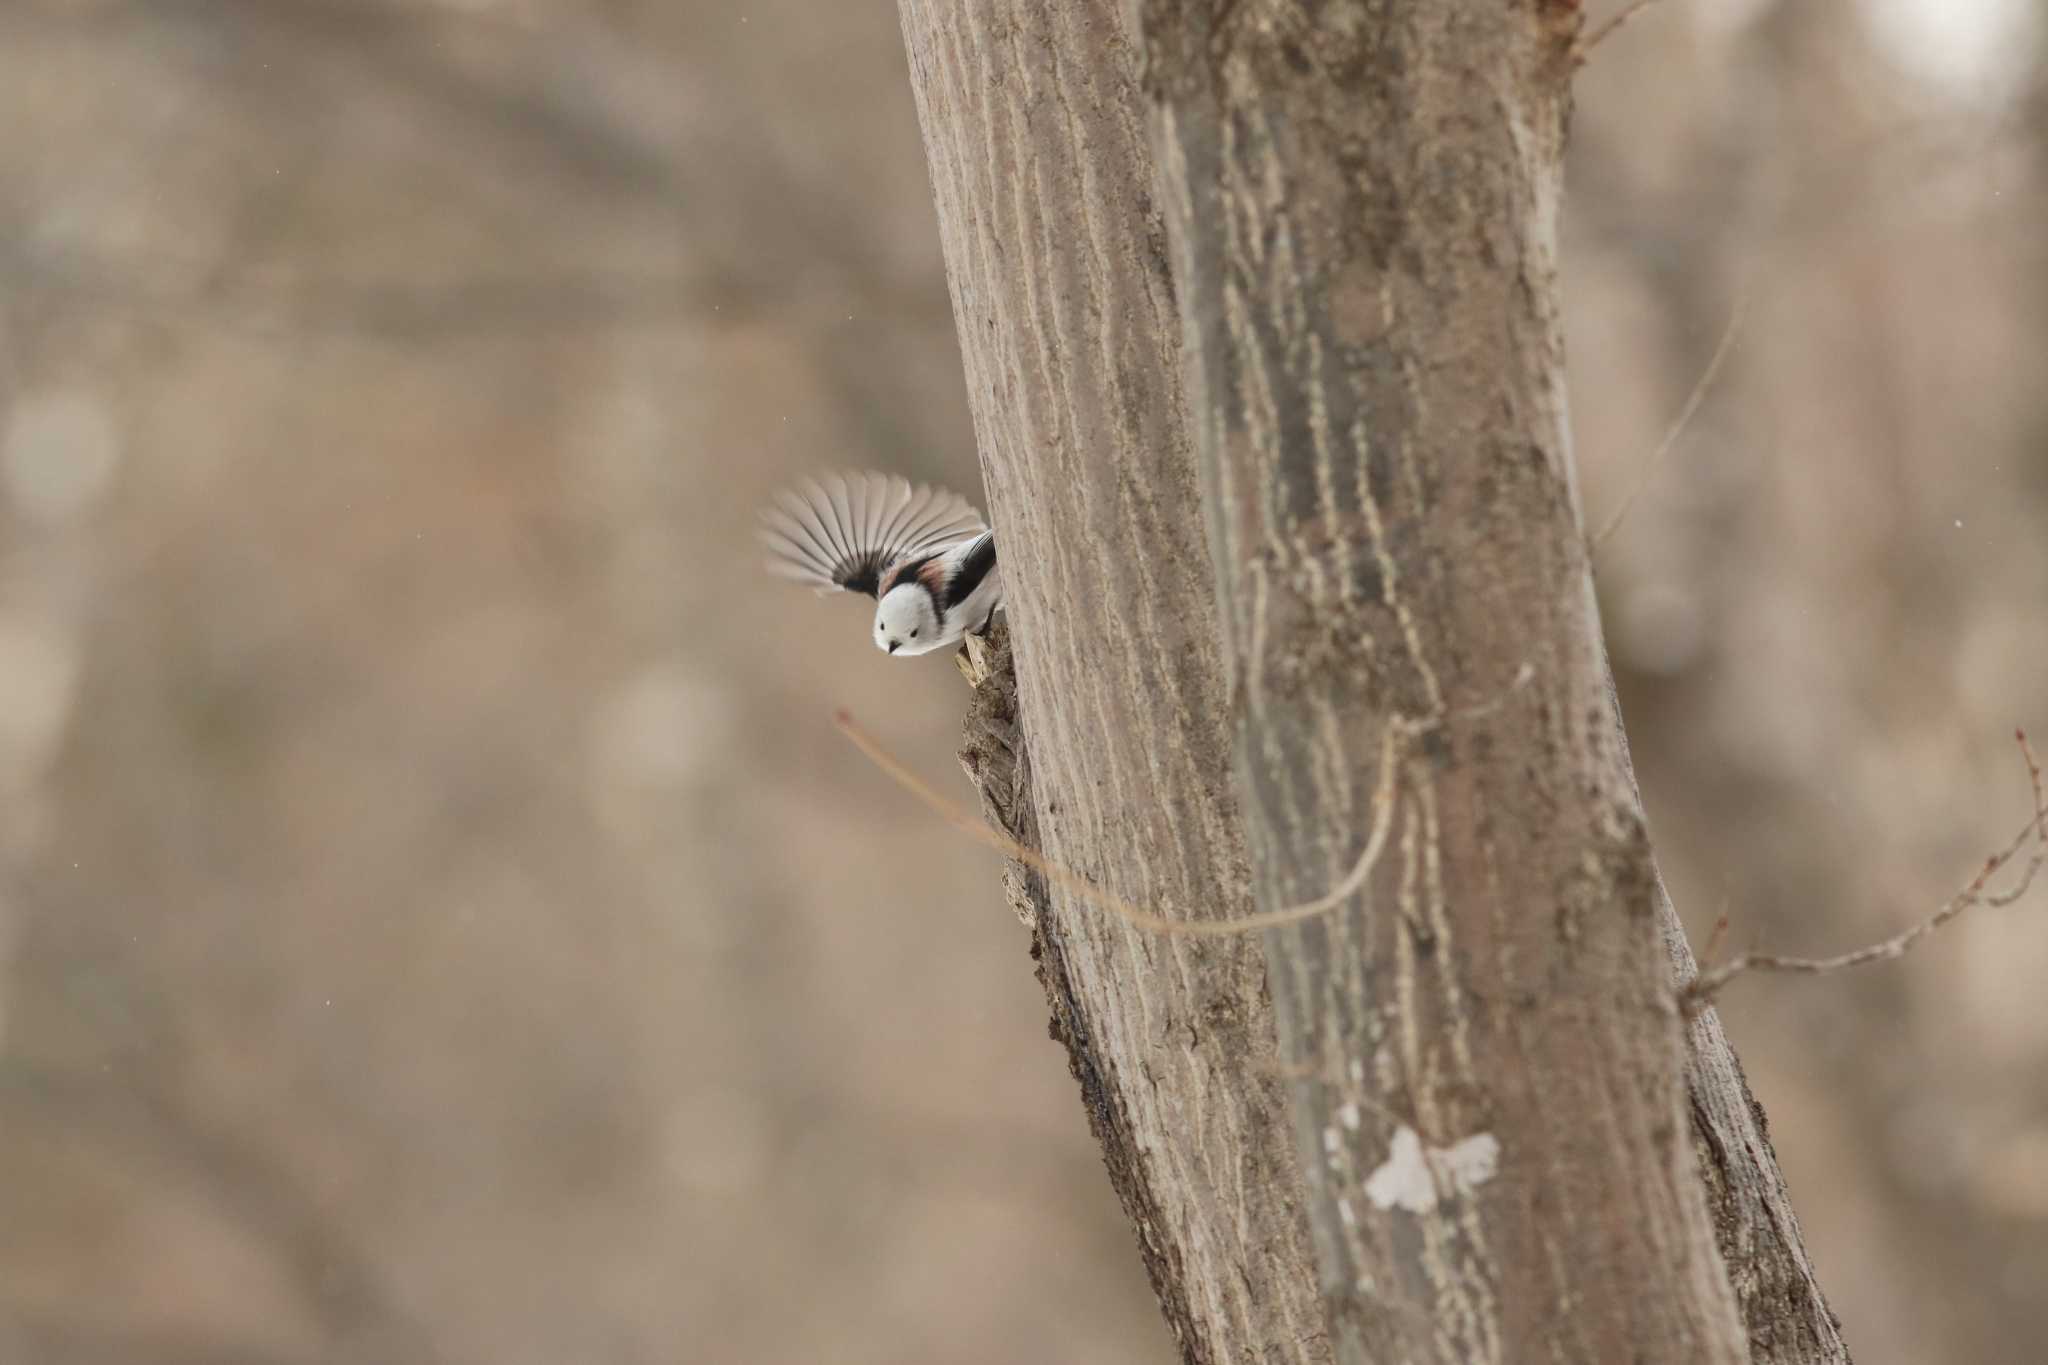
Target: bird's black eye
[(913, 635)]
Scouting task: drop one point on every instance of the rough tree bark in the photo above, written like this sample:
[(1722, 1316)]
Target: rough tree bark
[(1503, 1143), (1061, 295), (1363, 210)]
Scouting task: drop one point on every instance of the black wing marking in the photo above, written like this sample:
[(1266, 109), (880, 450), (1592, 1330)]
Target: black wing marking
[(844, 531), (974, 567), (907, 571)]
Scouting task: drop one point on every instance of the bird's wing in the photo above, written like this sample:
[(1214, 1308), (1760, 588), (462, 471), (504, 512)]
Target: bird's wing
[(974, 566), (844, 531)]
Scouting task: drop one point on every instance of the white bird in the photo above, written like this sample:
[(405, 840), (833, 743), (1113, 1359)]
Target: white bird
[(923, 554)]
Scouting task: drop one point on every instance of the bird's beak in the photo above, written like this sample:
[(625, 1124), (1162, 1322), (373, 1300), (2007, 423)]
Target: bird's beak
[(893, 644)]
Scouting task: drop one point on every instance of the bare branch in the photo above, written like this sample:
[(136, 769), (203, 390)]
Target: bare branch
[(960, 819), (1704, 986), (1717, 938), (1684, 419), (1605, 31)]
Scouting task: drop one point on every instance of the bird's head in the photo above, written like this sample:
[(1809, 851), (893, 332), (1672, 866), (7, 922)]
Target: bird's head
[(905, 622)]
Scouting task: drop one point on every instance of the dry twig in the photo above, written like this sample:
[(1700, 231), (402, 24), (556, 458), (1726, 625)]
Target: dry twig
[(1684, 419), (1708, 983), (1605, 31), (1717, 938), (1393, 740), (973, 828)]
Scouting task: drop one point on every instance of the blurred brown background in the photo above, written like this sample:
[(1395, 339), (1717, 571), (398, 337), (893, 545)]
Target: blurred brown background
[(439, 922)]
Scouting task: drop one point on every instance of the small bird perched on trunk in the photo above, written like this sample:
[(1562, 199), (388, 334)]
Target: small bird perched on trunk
[(923, 554)]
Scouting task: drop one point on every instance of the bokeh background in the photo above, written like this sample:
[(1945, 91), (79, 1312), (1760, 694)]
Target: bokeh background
[(438, 921)]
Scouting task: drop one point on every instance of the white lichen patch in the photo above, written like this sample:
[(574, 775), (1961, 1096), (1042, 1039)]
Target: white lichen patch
[(1415, 1177)]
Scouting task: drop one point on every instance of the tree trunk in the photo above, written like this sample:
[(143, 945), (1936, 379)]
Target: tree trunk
[(1364, 223), (1064, 306), (1487, 1154)]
